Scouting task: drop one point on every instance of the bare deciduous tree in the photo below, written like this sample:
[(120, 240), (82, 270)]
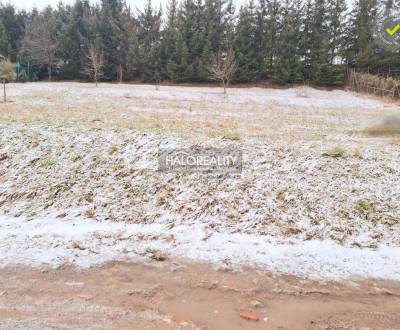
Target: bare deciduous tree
[(222, 68), (40, 43), (95, 63)]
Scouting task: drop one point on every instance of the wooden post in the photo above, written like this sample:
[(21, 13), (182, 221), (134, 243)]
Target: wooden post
[(4, 87)]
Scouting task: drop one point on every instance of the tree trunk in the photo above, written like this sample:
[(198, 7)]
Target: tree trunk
[(224, 84), (119, 71), (49, 71), (4, 87)]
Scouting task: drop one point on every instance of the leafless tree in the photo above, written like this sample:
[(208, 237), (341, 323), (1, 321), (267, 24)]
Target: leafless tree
[(95, 63), (222, 68), (40, 43)]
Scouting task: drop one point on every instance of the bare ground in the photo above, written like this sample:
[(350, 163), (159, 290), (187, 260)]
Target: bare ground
[(177, 295)]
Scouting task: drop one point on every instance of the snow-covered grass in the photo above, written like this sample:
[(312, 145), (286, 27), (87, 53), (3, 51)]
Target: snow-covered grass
[(295, 113), (55, 242), (316, 195)]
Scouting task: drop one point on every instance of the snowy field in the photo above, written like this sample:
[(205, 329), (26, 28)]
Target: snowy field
[(318, 196)]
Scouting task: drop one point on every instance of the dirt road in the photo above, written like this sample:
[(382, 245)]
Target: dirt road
[(177, 295)]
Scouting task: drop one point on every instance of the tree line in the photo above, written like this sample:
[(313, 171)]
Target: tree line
[(286, 41)]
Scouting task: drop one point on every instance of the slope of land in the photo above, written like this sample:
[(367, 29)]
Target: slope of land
[(317, 197)]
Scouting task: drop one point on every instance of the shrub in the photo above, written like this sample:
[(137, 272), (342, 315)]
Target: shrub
[(7, 71)]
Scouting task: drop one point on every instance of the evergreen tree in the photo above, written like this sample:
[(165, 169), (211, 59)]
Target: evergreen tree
[(320, 40), (273, 26), (306, 43), (323, 72), (262, 36), (149, 68), (362, 50), (246, 46), (336, 28), (229, 26), (288, 66), (74, 39), (169, 42), (14, 25), (131, 44), (190, 45), (110, 29), (3, 41), (287, 40)]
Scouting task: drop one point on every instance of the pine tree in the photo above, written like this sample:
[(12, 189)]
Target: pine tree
[(320, 40), (229, 26), (131, 46), (288, 66), (362, 50), (287, 40), (197, 46), (75, 39), (323, 72), (149, 44), (190, 44), (110, 29), (262, 36), (14, 25), (246, 46), (218, 19), (273, 26), (169, 42), (3, 41), (306, 42), (336, 28)]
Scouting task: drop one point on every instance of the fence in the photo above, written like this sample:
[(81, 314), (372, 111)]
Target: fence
[(372, 84)]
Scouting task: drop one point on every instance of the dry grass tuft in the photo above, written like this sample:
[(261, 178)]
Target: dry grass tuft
[(357, 153), (234, 136), (336, 152), (364, 207)]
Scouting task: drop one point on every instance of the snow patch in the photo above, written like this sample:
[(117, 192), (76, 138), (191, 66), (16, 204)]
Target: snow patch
[(86, 243)]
